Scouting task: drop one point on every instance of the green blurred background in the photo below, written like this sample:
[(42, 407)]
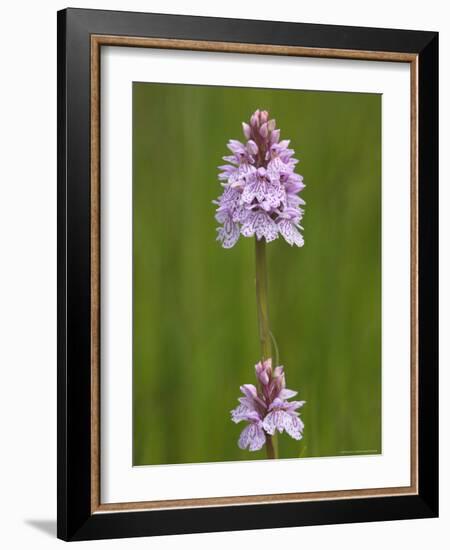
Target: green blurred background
[(195, 338)]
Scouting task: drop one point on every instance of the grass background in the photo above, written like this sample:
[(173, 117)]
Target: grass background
[(195, 338)]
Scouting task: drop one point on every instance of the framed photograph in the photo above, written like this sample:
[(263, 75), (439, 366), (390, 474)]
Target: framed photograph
[(247, 256)]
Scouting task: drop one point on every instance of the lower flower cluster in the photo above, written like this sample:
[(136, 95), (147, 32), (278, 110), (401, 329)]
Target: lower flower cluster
[(267, 409)]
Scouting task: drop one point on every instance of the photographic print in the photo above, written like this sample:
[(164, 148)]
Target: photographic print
[(256, 274)]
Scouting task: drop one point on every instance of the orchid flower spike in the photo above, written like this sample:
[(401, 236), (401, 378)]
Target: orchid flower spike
[(261, 187)]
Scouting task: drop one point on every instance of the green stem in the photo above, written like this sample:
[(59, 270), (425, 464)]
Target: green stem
[(263, 322), (275, 345), (270, 447), (261, 298)]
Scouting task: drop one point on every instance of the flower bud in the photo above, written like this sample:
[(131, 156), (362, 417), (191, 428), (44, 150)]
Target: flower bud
[(254, 120), (252, 148), (264, 371), (264, 131), (274, 136), (247, 130)]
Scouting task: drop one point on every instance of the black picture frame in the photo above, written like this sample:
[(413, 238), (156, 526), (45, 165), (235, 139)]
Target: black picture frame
[(75, 518)]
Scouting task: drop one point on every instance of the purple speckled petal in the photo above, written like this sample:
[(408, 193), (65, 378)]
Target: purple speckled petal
[(273, 422), (291, 406), (280, 420), (293, 425), (228, 234), (290, 233), (245, 411), (260, 224), (252, 437), (240, 413), (249, 390), (287, 394)]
